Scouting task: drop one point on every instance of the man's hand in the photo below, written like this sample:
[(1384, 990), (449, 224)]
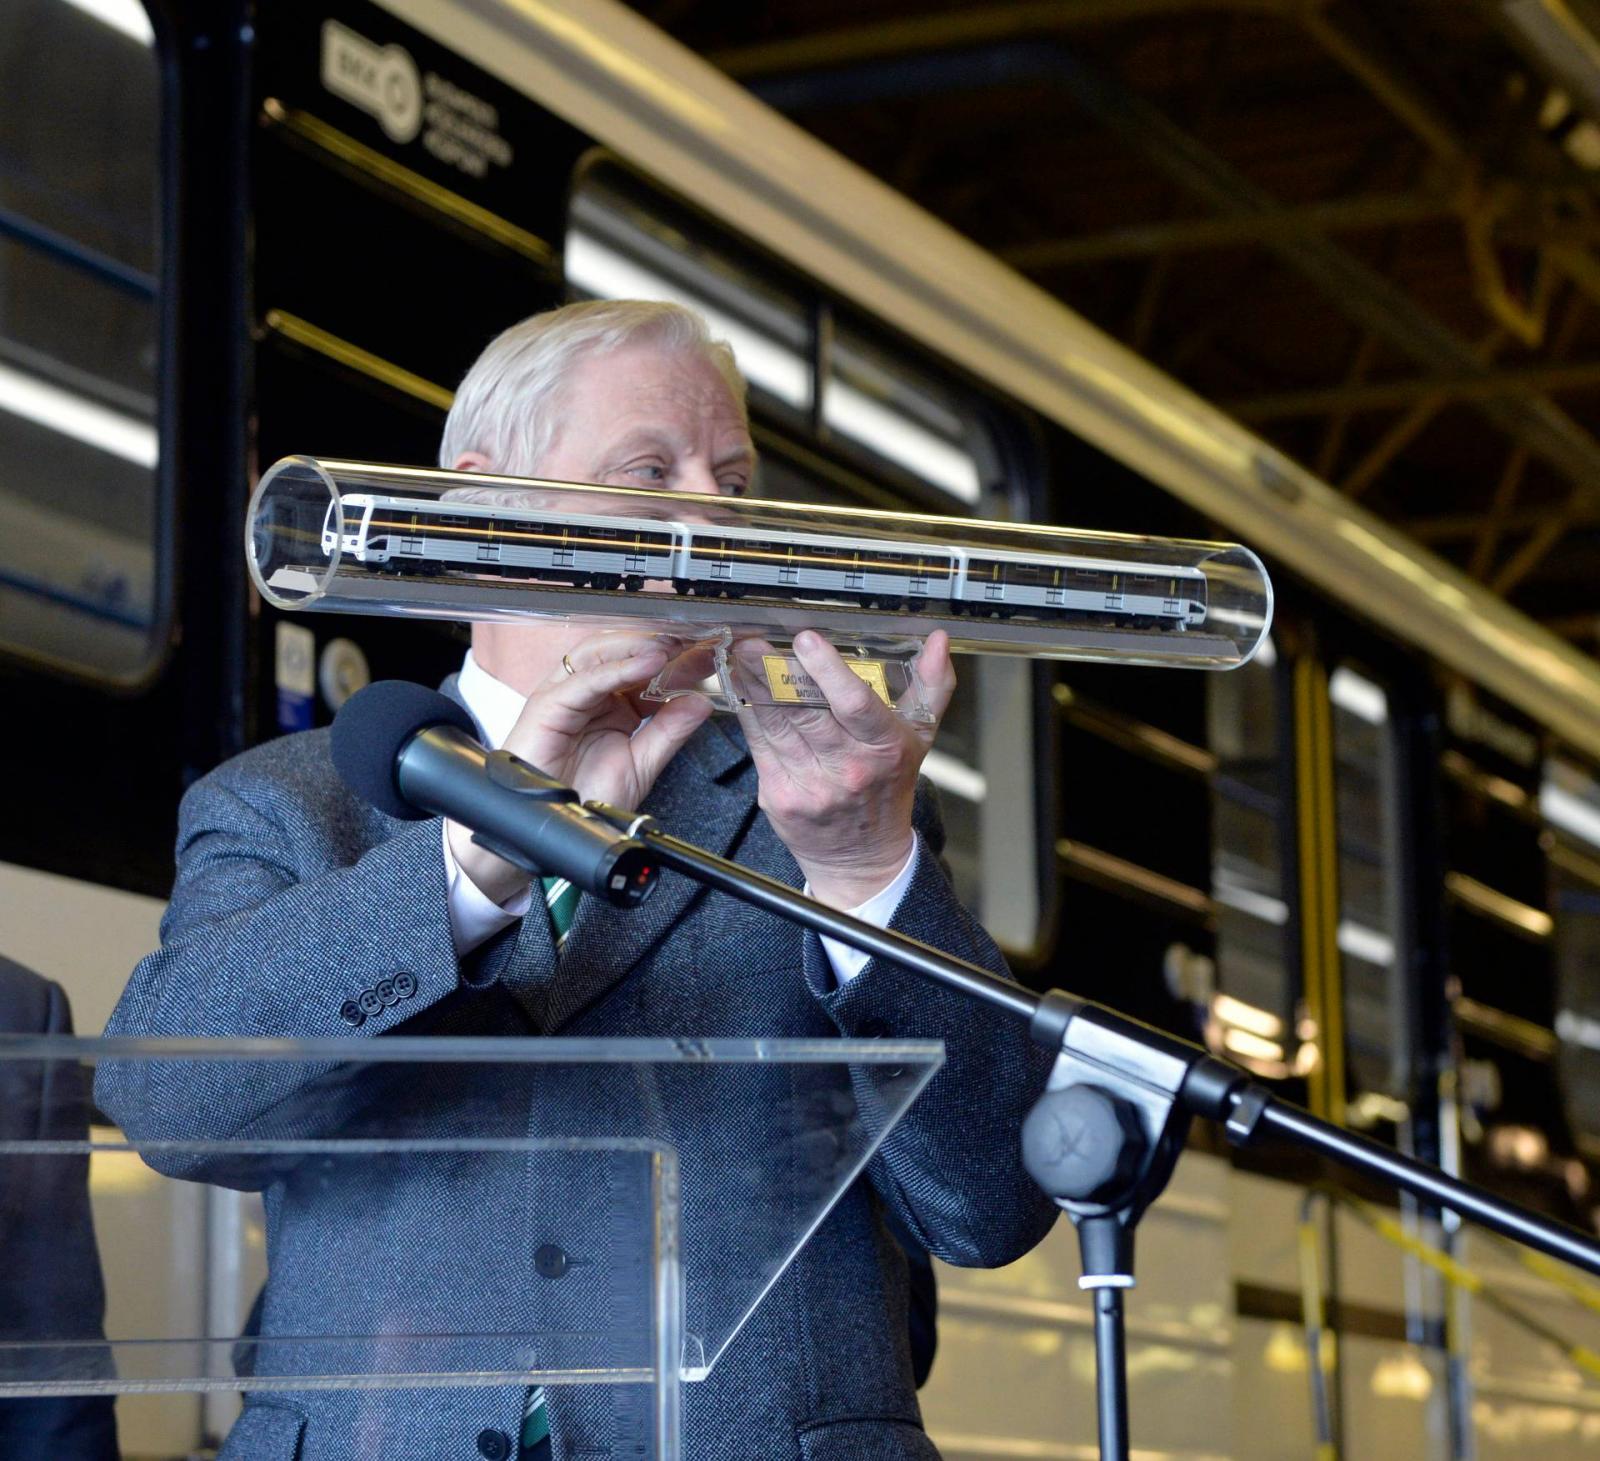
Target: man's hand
[(838, 784), (588, 729)]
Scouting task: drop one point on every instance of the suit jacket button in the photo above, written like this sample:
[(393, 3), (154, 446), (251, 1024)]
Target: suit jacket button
[(549, 1261), (873, 1029), (386, 992), (370, 1002), (350, 1013), (405, 985), (494, 1445)]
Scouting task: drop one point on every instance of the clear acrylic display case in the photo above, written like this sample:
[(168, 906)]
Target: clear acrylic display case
[(733, 580), (519, 1212)]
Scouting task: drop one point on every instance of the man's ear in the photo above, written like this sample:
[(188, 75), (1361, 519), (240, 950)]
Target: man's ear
[(471, 461)]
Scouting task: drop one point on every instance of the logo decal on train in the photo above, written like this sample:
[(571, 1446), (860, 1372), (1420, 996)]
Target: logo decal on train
[(382, 80), (457, 126)]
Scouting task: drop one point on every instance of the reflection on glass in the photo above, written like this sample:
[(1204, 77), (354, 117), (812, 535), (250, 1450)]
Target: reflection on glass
[(127, 17), (1253, 1015), (78, 442), (1375, 1008)]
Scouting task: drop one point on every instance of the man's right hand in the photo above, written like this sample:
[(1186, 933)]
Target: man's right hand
[(587, 728)]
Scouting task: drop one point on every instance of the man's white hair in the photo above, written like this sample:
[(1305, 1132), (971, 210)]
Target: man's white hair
[(509, 404)]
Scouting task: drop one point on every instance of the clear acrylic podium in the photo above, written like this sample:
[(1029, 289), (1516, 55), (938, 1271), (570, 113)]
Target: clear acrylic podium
[(438, 1212)]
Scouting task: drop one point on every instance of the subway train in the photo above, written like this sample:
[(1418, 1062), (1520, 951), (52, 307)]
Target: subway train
[(1366, 865)]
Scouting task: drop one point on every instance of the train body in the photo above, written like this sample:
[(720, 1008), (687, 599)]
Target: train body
[(418, 535)]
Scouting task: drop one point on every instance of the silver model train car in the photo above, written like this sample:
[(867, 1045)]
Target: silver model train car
[(419, 535)]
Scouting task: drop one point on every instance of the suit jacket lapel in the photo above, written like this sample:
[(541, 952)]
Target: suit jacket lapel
[(706, 796)]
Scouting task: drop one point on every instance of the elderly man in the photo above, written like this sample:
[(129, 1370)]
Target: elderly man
[(290, 901)]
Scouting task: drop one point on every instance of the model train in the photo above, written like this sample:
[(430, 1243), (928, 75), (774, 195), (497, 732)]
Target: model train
[(432, 536)]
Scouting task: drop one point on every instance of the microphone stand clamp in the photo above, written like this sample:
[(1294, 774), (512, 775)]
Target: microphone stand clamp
[(1102, 1141)]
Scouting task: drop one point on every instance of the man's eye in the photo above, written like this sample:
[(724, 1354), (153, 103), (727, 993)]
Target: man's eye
[(650, 471)]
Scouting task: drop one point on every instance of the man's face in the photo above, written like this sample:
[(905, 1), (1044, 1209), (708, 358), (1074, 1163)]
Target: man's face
[(642, 416), (639, 416)]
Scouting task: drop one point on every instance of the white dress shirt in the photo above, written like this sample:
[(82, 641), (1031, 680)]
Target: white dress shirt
[(475, 917)]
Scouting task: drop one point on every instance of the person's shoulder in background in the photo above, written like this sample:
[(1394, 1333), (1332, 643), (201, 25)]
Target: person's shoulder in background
[(49, 1268), (30, 1004)]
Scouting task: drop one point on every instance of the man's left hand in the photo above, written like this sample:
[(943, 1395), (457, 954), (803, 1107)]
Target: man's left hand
[(838, 784)]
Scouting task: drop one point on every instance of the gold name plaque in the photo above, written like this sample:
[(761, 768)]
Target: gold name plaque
[(791, 685)]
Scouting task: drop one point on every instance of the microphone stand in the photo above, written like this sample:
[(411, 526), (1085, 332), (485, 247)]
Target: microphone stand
[(1104, 1138)]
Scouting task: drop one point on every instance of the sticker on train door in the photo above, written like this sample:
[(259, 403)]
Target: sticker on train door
[(294, 674)]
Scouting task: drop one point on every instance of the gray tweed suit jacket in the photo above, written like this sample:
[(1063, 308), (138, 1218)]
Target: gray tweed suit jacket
[(293, 900)]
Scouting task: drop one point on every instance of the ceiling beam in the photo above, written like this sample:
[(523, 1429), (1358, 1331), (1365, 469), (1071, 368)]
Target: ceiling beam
[(1385, 79), (1183, 235), (1404, 431), (1540, 543), (1366, 353), (1574, 626), (1370, 299), (1395, 440), (976, 25), (1386, 82), (1515, 470), (1458, 527), (1506, 489), (1390, 395), (959, 52)]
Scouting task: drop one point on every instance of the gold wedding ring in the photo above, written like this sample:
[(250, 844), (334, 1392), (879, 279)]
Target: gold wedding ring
[(566, 664)]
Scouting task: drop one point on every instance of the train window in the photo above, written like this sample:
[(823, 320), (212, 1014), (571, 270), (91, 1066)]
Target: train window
[(81, 584), (906, 421), (1569, 801), (1510, 966), (1376, 1008), (887, 429), (1253, 1013), (624, 243)]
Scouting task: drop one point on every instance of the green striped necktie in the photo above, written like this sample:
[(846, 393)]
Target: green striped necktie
[(561, 901), (561, 898), (535, 1444)]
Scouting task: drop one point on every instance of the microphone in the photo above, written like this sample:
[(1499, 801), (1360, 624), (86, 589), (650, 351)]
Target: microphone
[(414, 753)]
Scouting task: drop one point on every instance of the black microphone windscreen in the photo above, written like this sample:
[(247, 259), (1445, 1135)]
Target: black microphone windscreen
[(373, 727)]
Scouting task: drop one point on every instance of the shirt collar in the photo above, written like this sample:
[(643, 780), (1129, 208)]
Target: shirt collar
[(491, 702)]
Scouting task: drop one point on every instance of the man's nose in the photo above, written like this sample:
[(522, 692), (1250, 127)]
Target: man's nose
[(697, 477)]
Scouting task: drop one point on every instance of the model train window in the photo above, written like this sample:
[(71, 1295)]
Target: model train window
[(1253, 1011), (1376, 1009), (79, 164), (1570, 803), (887, 428)]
